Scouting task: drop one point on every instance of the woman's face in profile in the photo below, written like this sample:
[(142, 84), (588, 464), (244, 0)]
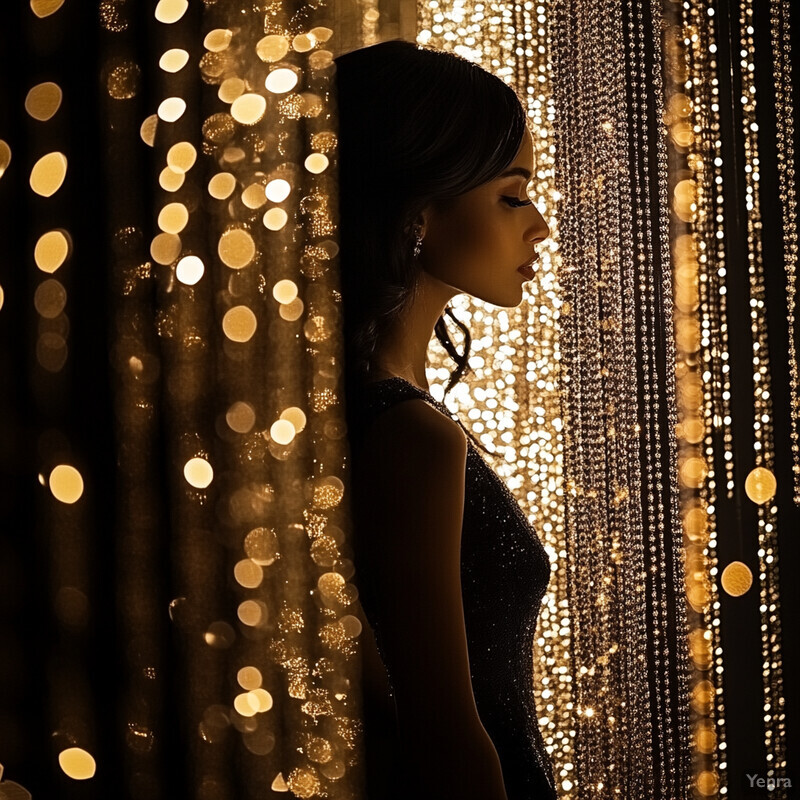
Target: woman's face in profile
[(476, 242)]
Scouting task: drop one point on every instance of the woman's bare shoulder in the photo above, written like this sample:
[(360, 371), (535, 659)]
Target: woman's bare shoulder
[(415, 422)]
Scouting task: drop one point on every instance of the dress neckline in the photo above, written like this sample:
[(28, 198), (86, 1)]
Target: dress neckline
[(408, 383)]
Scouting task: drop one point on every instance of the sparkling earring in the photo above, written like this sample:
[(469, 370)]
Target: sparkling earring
[(418, 243)]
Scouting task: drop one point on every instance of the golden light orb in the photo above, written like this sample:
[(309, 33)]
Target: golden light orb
[(217, 40), (173, 218), (173, 60), (272, 48), (239, 324), (48, 174), (278, 190), (281, 80), (66, 484), (170, 11), (198, 473), (275, 219), (760, 485), (736, 578), (249, 108), (181, 157), (171, 109), (236, 248), (221, 186), (43, 100), (249, 678), (189, 270), (51, 250), (316, 163), (77, 764)]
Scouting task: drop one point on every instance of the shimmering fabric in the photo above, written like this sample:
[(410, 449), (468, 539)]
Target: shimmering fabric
[(504, 574)]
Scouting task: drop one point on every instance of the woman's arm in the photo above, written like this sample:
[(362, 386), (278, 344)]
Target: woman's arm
[(408, 509)]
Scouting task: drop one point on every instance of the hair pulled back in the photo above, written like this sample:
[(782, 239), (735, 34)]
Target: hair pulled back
[(417, 126)]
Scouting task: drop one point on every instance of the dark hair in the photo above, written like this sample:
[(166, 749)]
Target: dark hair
[(417, 126)]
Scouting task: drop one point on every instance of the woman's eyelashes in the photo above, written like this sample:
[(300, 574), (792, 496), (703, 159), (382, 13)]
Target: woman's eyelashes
[(516, 203)]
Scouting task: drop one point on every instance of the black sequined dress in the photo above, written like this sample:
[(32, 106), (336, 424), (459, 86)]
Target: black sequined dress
[(504, 575)]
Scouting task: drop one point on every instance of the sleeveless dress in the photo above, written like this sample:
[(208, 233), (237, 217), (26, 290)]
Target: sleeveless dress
[(504, 574)]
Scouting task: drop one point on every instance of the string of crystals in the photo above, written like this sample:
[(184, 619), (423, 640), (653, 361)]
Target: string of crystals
[(512, 397), (671, 774), (579, 39), (703, 367), (780, 34), (763, 429), (670, 529)]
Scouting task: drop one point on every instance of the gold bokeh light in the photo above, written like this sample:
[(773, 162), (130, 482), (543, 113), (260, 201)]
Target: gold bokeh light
[(44, 8), (173, 60), (249, 108), (198, 473), (77, 763), (5, 156), (52, 250), (236, 248), (181, 157), (272, 48), (48, 174), (43, 100), (760, 485), (66, 484), (278, 190), (170, 11), (281, 80), (171, 109), (189, 270), (736, 578), (221, 185), (173, 218), (239, 324)]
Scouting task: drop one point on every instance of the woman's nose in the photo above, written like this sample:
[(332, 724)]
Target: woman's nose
[(540, 230)]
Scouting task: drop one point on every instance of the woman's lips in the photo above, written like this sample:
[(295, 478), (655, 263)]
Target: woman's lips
[(527, 269)]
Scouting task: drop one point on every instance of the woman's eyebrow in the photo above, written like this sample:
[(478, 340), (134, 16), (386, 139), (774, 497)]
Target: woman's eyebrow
[(515, 171)]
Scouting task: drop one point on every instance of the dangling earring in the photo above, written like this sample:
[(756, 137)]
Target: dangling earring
[(418, 242)]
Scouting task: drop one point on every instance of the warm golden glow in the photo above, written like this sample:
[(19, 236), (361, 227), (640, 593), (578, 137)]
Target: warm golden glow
[(281, 80), (296, 416), (189, 270), (5, 156), (148, 130), (239, 324), (171, 109), (321, 34), (316, 163), (236, 248), (2, 297), (230, 89), (246, 704), (51, 250), (693, 472), (50, 298), (282, 431), (44, 8), (241, 417), (66, 484), (77, 763), (736, 578), (272, 48), (278, 190), (217, 40), (173, 218), (285, 291), (275, 219), (707, 783), (48, 174), (351, 625), (165, 248), (221, 186), (198, 473), (261, 545), (249, 108), (760, 485), (173, 60), (169, 11), (262, 699), (123, 80), (169, 180), (248, 573), (250, 612), (249, 678), (181, 157), (43, 100), (253, 196)]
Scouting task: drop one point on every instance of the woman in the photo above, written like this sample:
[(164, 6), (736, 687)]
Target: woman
[(434, 160)]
